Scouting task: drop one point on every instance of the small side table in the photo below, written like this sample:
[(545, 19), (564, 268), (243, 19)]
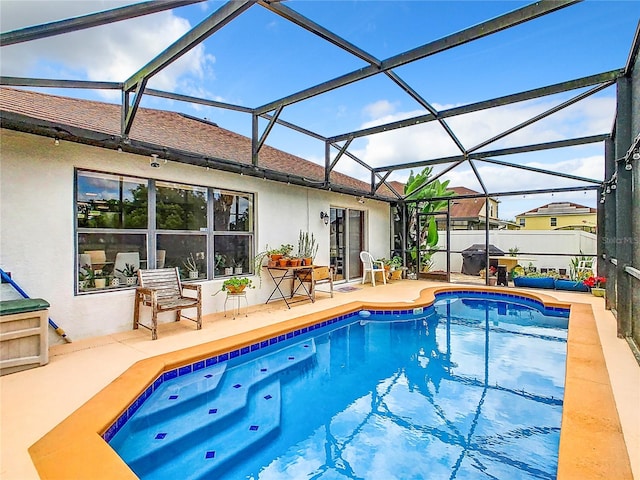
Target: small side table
[(236, 298)]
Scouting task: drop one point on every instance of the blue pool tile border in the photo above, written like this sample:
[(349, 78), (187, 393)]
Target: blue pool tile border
[(223, 357)]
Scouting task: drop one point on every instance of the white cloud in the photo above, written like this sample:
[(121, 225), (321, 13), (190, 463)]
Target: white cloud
[(429, 141), (379, 109), (110, 52)]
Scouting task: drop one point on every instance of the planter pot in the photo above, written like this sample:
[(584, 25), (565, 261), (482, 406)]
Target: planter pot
[(493, 281), (100, 282), (193, 275), (115, 282), (82, 284), (132, 281), (228, 271), (276, 257), (307, 261), (396, 274), (534, 282), (237, 270), (283, 262), (234, 290), (571, 285), (597, 292)]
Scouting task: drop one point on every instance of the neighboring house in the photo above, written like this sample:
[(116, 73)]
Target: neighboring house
[(470, 213), (178, 192), (559, 216)]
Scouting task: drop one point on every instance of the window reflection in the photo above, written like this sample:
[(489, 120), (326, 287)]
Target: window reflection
[(111, 201), (232, 212), (180, 207), (110, 206)]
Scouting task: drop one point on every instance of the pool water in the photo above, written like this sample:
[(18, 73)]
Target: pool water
[(470, 388)]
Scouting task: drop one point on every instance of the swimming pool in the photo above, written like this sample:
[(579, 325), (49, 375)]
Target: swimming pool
[(470, 387)]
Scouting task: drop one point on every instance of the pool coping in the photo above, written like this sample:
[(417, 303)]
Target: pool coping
[(591, 441)]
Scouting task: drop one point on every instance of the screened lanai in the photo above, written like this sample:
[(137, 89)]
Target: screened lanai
[(419, 93)]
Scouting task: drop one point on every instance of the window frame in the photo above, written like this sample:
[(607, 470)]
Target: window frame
[(152, 232)]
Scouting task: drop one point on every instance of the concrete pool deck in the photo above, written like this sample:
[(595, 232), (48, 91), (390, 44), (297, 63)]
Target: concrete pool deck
[(602, 374)]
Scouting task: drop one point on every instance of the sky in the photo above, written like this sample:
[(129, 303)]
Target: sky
[(260, 57)]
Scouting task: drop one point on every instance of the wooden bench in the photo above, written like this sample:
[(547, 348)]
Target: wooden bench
[(162, 290)]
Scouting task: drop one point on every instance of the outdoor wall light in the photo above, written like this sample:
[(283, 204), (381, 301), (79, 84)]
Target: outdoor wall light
[(324, 216), (628, 166), (153, 161), (636, 155), (56, 141), (361, 199)]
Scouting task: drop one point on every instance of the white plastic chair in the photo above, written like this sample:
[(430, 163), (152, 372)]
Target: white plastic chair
[(369, 265)]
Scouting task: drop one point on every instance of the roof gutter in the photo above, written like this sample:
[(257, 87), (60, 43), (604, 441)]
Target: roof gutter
[(44, 128)]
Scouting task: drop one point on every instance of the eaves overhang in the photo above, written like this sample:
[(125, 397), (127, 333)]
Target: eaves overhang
[(27, 124)]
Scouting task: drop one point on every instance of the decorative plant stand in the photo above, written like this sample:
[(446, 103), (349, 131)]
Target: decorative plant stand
[(236, 299)]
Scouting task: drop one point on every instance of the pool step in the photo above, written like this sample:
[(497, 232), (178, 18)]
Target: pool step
[(223, 407), (173, 396), (212, 448)]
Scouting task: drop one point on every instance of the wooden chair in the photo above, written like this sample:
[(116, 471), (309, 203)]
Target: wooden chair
[(162, 290), (319, 275)]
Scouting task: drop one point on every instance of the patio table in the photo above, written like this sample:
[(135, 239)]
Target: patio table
[(280, 274)]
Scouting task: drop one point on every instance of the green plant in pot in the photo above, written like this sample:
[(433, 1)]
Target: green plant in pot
[(259, 260), (235, 285), (129, 272), (396, 267), (85, 277), (307, 247), (100, 278), (192, 266)]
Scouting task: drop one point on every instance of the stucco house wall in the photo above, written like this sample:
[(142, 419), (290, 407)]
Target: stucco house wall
[(562, 220), (37, 225)]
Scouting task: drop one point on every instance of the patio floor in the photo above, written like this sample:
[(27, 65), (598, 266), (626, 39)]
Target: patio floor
[(34, 401)]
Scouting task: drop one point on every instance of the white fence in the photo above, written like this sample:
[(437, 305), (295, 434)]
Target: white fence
[(558, 246)]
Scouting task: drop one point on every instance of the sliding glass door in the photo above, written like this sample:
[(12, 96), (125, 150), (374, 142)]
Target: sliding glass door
[(346, 242)]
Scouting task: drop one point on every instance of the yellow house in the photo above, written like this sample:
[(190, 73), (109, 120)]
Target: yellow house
[(559, 216)]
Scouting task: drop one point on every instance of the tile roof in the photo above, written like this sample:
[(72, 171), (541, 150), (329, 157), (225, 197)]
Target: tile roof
[(466, 207), (166, 129), (560, 208)]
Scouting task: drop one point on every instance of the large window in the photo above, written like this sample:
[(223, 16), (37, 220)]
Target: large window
[(205, 232)]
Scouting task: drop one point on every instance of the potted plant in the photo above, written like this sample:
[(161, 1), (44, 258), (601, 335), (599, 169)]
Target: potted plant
[(396, 267), (286, 249), (100, 279), (235, 285), (129, 272), (307, 247), (192, 266), (595, 285), (237, 265), (85, 277)]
